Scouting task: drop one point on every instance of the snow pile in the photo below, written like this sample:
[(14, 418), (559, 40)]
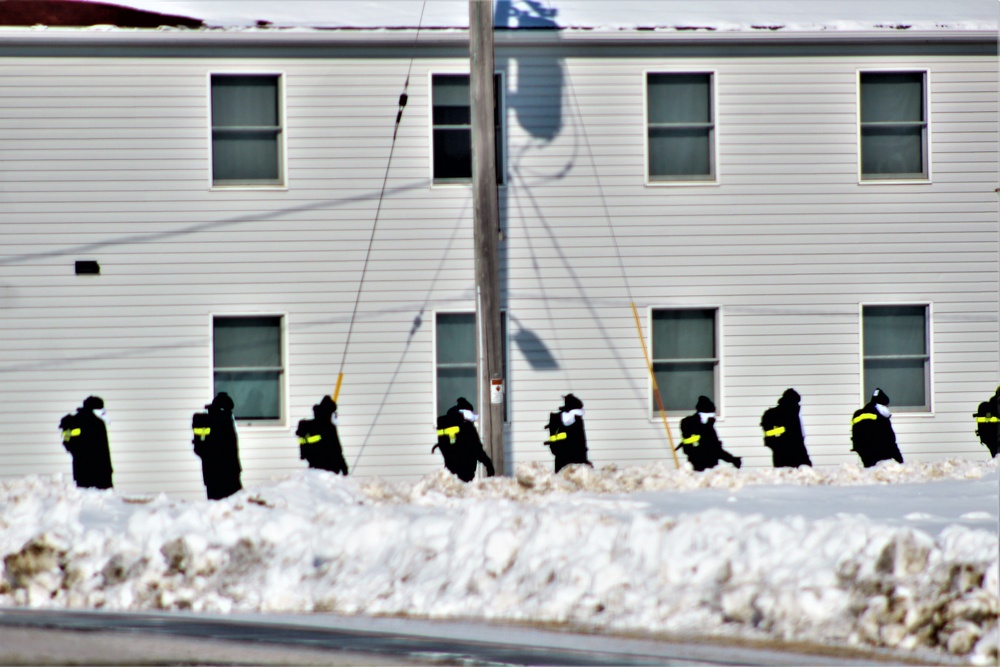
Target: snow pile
[(526, 549)]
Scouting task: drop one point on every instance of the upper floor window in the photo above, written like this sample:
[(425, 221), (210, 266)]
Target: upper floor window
[(451, 119), (893, 125), (685, 357), (896, 355), (247, 364), (680, 126), (246, 130)]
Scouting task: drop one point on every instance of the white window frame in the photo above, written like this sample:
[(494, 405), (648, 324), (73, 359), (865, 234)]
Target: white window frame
[(501, 103), (275, 424), (282, 133), (929, 333), (927, 141), (720, 363), (715, 179), (434, 364)]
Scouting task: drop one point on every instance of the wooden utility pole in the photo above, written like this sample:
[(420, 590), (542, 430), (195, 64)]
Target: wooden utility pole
[(486, 223)]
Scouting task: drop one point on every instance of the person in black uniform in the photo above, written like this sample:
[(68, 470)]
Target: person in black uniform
[(216, 443), (871, 431), (459, 442), (319, 443), (783, 432), (85, 437), (567, 435), (988, 423), (699, 441)]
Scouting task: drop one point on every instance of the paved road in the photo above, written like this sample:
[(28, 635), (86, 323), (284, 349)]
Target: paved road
[(41, 637)]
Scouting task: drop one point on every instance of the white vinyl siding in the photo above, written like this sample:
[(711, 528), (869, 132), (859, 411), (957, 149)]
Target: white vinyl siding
[(107, 159)]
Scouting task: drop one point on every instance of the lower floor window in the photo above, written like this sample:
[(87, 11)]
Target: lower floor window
[(455, 359), (896, 355), (685, 357), (247, 364)]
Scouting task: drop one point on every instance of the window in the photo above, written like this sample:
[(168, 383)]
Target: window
[(456, 360), (248, 366), (246, 130), (685, 360), (452, 128), (680, 127), (893, 126), (896, 357)]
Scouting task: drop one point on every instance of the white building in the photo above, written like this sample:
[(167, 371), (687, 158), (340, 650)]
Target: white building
[(788, 206)]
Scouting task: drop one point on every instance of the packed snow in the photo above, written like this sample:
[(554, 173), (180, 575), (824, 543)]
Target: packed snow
[(899, 556)]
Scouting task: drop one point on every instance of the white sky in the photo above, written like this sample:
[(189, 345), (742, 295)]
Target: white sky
[(609, 14), (804, 554)]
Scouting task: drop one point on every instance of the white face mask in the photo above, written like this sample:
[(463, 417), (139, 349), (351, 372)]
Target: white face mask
[(570, 416), (705, 416), (883, 410), (333, 419), (101, 414), (469, 415)]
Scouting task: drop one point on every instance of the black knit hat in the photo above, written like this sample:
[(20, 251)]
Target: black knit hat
[(93, 403), (571, 402), (790, 396), (879, 397), (222, 401), (705, 404), (463, 404)]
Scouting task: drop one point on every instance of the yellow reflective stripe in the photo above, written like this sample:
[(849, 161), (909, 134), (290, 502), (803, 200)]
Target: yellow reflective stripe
[(557, 437), (862, 417), (70, 434), (309, 439), (693, 440), (987, 420), (202, 431), (774, 432), (451, 432)]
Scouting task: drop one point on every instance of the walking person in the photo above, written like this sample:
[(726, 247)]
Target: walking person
[(217, 444), (319, 442), (987, 423), (459, 442), (699, 441), (85, 437), (567, 434), (783, 432), (872, 434)]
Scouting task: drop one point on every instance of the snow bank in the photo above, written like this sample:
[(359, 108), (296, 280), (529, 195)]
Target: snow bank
[(530, 548)]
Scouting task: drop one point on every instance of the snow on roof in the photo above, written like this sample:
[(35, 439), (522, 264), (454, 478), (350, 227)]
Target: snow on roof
[(592, 15)]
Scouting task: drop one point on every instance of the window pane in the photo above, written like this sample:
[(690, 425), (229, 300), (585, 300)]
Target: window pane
[(257, 395), (453, 383), (892, 97), (892, 150), (451, 100), (903, 380), (245, 157), (679, 98), (453, 154), (240, 101), (679, 152), (247, 342), (681, 384), (456, 338), (683, 334), (894, 330)]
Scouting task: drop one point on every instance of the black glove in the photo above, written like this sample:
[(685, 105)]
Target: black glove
[(737, 461)]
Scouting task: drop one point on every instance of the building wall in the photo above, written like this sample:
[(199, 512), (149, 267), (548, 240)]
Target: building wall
[(108, 158)]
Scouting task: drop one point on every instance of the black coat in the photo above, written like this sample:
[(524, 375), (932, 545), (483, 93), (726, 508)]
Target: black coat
[(461, 446), (988, 424), (873, 437), (85, 437), (319, 443), (783, 436), (219, 452), (702, 446), (568, 444)]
